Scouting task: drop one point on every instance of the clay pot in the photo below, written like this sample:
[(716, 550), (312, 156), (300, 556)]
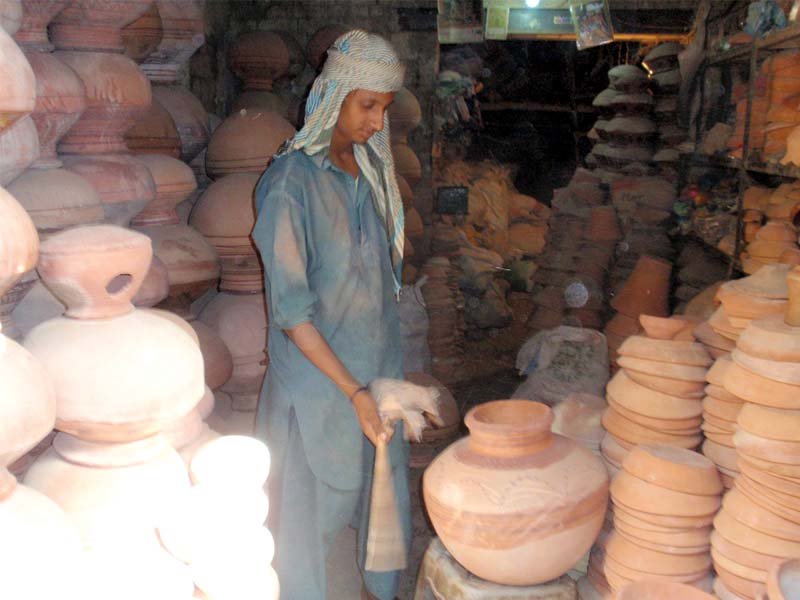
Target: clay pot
[(783, 582), (321, 40), (117, 96), (56, 199), (654, 562), (155, 286), (674, 469), (646, 290), (216, 356), (18, 96), (405, 115), (259, 58), (123, 183), (246, 142), (174, 182), (142, 36), (36, 15), (669, 351), (182, 33), (95, 24), (650, 589), (641, 495), (407, 163), (154, 133), (19, 149), (189, 116), (225, 215), (638, 398), (510, 441)]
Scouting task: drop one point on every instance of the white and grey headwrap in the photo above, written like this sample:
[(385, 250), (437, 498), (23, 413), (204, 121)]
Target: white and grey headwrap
[(359, 60)]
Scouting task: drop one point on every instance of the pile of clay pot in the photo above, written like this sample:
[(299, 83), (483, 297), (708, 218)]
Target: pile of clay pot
[(774, 115), (759, 524), (663, 503), (570, 280), (625, 132), (665, 80)]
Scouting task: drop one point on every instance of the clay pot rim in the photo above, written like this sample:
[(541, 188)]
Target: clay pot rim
[(500, 417)]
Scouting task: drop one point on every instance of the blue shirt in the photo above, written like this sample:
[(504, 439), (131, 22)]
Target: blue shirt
[(326, 260)]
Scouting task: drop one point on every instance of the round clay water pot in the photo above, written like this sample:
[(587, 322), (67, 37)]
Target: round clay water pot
[(154, 133), (95, 24), (60, 101), (174, 182), (216, 356), (643, 495), (142, 36), (189, 116), (771, 423), (56, 199), (245, 142), (19, 148), (660, 590), (783, 580), (405, 114), (663, 369), (510, 441), (259, 58), (777, 451), (674, 468), (155, 286), (18, 96)]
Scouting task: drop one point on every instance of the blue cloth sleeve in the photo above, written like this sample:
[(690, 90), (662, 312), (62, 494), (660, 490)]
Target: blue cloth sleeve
[(280, 236)]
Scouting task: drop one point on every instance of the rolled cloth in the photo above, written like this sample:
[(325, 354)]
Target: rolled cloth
[(359, 60)]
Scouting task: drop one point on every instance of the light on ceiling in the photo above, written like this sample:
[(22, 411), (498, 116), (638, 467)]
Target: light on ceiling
[(531, 3)]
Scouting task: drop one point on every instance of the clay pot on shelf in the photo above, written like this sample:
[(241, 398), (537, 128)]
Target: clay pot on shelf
[(510, 448)]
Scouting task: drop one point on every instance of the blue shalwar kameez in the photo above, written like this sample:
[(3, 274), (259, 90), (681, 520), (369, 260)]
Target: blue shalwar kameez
[(326, 260)]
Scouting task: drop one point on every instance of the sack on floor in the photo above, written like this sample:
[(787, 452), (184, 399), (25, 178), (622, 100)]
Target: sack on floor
[(561, 361)]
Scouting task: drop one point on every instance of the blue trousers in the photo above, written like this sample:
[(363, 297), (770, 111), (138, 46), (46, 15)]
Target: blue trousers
[(306, 515)]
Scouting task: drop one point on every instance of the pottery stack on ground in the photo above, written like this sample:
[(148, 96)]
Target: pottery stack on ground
[(225, 215), (720, 412), (485, 495), (120, 375), (759, 523), (36, 533), (656, 395), (664, 501), (646, 292), (770, 243)]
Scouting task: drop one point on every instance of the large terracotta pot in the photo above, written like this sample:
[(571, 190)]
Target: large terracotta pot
[(95, 24), (143, 35), (182, 34), (154, 133), (245, 142), (60, 101), (19, 148), (258, 58), (512, 502), (120, 373), (18, 94), (117, 95), (36, 15), (189, 116)]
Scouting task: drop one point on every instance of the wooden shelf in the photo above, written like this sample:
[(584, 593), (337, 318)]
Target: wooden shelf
[(534, 107), (777, 38), (752, 166)]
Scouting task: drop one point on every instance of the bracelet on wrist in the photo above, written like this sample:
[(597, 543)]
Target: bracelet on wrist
[(363, 388)]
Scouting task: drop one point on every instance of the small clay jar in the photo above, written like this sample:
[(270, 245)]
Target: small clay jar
[(510, 448), (142, 36)]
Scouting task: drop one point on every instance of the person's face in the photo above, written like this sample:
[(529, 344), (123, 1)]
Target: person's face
[(361, 115)]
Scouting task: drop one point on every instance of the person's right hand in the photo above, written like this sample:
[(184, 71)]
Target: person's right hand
[(367, 412)]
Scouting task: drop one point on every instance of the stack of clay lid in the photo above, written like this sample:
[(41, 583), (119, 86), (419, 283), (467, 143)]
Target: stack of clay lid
[(656, 395), (720, 411), (664, 501), (760, 520), (761, 294), (655, 589), (770, 242), (445, 305), (646, 292), (784, 86), (782, 203)]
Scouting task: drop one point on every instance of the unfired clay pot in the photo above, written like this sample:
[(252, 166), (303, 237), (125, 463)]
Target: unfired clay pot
[(182, 33), (154, 133), (259, 58), (19, 148), (485, 495), (189, 116), (95, 24), (36, 15), (18, 95), (143, 35)]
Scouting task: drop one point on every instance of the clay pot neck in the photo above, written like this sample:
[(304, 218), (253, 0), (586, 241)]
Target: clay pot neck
[(793, 312), (7, 483), (509, 428)]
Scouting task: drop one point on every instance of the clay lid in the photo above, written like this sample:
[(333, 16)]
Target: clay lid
[(633, 433), (692, 390), (643, 495), (773, 468), (743, 555), (777, 451), (680, 541), (643, 400), (777, 370), (663, 369), (605, 97), (722, 324), (674, 468), (721, 455), (748, 306), (782, 505), (663, 328), (645, 560), (770, 338), (706, 334), (787, 486), (687, 426), (669, 351), (752, 387), (767, 282), (749, 513), (95, 270), (653, 589), (718, 371), (719, 409)]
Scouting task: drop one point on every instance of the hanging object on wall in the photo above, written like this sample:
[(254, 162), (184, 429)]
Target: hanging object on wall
[(592, 22)]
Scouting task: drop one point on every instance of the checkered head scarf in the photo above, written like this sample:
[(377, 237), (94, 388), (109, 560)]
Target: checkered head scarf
[(359, 60)]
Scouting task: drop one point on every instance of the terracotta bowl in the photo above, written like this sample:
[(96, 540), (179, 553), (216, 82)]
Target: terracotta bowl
[(731, 566), (669, 385), (643, 495), (773, 468), (672, 426), (760, 390), (645, 560), (771, 338), (673, 468), (646, 401), (783, 580), (722, 410), (787, 453), (720, 455), (785, 485), (672, 538), (663, 369), (646, 542), (719, 392), (669, 351), (771, 423), (743, 509), (634, 433), (740, 586), (650, 589), (620, 575), (664, 521), (716, 374), (778, 370), (785, 507), (743, 535)]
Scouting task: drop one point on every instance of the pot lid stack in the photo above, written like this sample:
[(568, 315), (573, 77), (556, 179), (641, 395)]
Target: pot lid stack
[(720, 411)]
